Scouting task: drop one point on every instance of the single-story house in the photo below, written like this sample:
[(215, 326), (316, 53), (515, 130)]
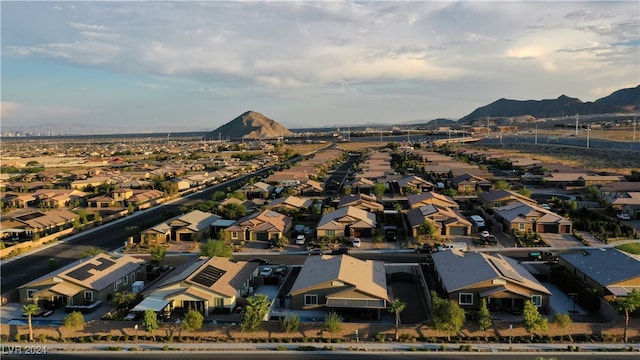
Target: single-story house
[(469, 183), (612, 272), (523, 217), (257, 190), (448, 221), (361, 201), (192, 226), (84, 282), (340, 282), (466, 278), (498, 198), (413, 184), (290, 203), (263, 226), (347, 221), (208, 285), (429, 198)]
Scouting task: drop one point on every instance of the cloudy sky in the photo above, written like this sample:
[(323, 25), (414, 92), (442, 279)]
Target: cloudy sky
[(190, 66)]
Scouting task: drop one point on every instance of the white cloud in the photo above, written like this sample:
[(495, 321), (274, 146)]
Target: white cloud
[(152, 86)]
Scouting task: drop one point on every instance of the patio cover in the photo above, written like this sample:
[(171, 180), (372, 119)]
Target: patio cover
[(151, 303)]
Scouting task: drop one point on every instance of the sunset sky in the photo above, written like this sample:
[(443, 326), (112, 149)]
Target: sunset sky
[(112, 67)]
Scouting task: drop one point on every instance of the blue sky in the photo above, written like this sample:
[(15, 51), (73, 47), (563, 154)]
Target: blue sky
[(109, 67)]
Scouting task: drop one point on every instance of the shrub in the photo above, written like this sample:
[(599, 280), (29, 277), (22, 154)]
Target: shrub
[(107, 338), (133, 348), (281, 348), (113, 348), (165, 348), (42, 337)]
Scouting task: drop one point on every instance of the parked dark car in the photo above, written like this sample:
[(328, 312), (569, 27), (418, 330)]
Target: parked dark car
[(424, 249), (340, 251), (261, 261)]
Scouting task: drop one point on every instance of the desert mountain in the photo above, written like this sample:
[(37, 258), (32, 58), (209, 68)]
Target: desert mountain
[(620, 101), (249, 125)]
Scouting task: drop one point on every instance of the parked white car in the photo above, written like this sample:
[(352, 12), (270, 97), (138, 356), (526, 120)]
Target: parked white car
[(356, 242), (624, 216)]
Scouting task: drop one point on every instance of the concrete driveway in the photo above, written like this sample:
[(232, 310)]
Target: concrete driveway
[(561, 240)]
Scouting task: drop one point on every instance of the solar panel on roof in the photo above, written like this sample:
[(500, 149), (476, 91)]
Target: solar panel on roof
[(82, 273), (208, 276), (508, 273), (104, 263)]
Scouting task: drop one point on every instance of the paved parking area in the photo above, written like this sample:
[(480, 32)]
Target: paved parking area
[(560, 240)]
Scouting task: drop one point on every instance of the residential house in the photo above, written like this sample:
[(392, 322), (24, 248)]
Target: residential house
[(18, 199), (448, 221), (340, 283), (193, 226), (310, 188), (611, 272), (430, 198), (347, 221), (37, 221), (523, 217), (361, 185), (84, 284), (257, 190), (290, 204), (263, 226), (92, 181), (619, 188), (413, 184), (361, 201), (466, 278), (498, 198), (58, 198), (208, 285), (469, 183), (182, 184), (629, 203)]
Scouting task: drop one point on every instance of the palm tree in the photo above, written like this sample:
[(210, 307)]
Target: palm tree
[(396, 306), (627, 305), (30, 309)]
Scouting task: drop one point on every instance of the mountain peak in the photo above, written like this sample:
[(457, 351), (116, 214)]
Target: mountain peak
[(249, 125)]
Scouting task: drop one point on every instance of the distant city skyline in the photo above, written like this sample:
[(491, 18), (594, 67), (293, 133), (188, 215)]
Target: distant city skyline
[(122, 67)]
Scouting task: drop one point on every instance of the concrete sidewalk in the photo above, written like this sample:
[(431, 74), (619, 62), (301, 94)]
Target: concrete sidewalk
[(338, 347)]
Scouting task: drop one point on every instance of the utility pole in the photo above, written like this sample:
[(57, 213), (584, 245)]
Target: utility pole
[(588, 131), (536, 134), (635, 120), (576, 124)]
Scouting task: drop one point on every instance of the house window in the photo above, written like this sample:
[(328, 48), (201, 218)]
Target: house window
[(133, 277), (219, 302), (537, 300), (88, 296), (465, 299), (521, 226), (234, 234), (330, 232), (310, 300), (125, 280), (30, 293)]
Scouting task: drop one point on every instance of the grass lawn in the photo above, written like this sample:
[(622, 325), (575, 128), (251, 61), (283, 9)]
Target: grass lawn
[(633, 248)]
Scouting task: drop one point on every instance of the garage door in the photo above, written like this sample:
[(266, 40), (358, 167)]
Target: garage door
[(262, 236), (458, 230)]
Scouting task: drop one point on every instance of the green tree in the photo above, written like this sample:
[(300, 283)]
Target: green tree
[(192, 321), (525, 192), (253, 314), (484, 318), (233, 211), (627, 305), (74, 321), (501, 185), (216, 248), (29, 310), (150, 322), (427, 229), (347, 190), (157, 253), (123, 298), (89, 252), (379, 189), (395, 307), (447, 316), (53, 265), (563, 321), (333, 323), (290, 323), (531, 319)]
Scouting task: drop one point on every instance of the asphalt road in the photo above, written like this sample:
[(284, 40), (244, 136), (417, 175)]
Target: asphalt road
[(107, 237)]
